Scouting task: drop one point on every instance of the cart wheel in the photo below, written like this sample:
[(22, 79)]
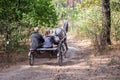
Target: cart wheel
[(60, 56), (31, 59)]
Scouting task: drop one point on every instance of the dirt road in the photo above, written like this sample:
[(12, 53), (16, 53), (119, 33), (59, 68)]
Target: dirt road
[(79, 65)]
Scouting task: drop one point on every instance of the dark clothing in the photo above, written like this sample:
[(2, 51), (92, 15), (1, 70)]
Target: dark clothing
[(36, 40), (49, 41)]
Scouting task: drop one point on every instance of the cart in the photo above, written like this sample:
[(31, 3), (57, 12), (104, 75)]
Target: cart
[(60, 52)]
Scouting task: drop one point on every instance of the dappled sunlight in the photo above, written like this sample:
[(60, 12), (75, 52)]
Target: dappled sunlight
[(84, 43), (47, 66), (98, 77), (100, 60), (73, 48), (28, 66)]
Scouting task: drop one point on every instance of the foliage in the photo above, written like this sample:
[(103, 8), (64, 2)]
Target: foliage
[(115, 5), (12, 10), (41, 15), (18, 16), (61, 8), (86, 19), (115, 19)]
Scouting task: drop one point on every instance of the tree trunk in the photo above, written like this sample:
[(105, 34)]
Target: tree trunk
[(106, 23)]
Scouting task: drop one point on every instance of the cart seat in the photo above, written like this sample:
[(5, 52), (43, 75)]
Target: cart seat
[(44, 49)]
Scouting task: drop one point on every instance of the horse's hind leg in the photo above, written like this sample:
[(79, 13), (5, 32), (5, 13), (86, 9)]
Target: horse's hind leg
[(66, 45)]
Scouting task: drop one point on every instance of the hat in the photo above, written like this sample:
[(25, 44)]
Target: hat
[(36, 29)]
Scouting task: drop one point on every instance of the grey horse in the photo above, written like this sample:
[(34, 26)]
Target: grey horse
[(61, 32)]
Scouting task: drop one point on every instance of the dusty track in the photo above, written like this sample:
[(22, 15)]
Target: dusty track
[(79, 65)]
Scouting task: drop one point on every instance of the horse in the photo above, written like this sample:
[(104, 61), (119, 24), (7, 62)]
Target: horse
[(61, 32)]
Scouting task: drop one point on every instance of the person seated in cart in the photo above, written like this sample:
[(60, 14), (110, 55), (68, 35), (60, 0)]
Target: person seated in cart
[(49, 40), (56, 38), (36, 39)]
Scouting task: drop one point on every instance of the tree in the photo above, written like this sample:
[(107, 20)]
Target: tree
[(42, 13), (16, 17), (13, 14), (106, 23)]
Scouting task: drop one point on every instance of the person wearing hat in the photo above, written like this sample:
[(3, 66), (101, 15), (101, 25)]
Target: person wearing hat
[(36, 39)]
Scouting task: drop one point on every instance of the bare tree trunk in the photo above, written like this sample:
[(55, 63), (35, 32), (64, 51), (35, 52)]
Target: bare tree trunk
[(105, 33)]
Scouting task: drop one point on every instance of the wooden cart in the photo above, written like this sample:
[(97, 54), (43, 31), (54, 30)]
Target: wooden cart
[(60, 52)]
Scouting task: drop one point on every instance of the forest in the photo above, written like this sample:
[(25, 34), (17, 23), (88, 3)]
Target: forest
[(96, 21)]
